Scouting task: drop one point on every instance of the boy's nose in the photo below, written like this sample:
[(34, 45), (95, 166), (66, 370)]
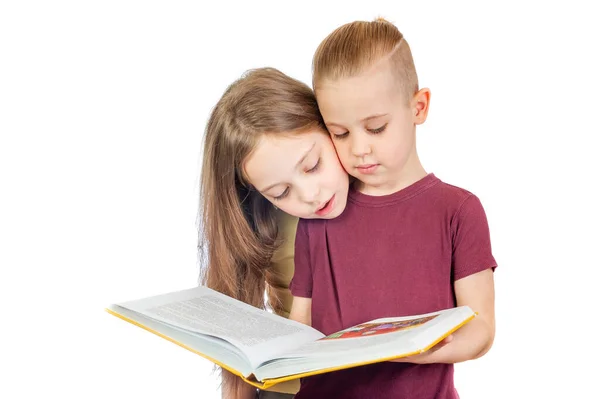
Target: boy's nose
[(360, 147)]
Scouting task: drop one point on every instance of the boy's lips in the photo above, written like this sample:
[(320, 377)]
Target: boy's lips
[(367, 168), (326, 208)]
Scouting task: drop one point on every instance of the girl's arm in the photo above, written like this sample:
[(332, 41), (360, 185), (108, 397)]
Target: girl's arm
[(475, 338), (230, 390)]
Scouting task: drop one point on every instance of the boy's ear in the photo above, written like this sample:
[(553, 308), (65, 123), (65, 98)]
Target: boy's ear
[(420, 105)]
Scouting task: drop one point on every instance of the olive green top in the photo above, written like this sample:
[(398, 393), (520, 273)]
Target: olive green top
[(282, 272)]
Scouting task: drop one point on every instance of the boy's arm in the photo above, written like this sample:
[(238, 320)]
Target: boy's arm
[(301, 284), (301, 310), (473, 268), (475, 338)]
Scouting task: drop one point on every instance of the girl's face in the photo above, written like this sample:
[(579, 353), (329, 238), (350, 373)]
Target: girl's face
[(300, 174)]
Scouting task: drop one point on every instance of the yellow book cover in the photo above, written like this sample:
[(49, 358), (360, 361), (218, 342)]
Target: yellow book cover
[(266, 349)]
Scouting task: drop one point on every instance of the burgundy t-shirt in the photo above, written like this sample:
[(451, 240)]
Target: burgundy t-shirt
[(388, 256)]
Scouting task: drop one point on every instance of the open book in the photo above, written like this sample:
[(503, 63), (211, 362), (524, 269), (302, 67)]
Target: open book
[(265, 349)]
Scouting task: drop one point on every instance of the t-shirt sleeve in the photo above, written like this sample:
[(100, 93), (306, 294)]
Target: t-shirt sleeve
[(471, 246), (301, 284)]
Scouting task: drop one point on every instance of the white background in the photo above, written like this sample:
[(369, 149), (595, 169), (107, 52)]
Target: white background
[(102, 110)]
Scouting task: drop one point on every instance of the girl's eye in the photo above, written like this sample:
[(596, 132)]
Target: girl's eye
[(314, 168), (282, 195), (378, 130)]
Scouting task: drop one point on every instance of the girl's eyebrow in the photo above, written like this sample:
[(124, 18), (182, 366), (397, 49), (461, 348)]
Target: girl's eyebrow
[(306, 154)]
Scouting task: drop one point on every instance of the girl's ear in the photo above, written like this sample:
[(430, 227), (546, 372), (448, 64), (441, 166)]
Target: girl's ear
[(420, 105)]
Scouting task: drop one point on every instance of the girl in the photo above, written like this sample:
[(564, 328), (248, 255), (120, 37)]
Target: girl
[(266, 125)]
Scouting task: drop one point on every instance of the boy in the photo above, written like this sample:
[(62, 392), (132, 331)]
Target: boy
[(412, 242)]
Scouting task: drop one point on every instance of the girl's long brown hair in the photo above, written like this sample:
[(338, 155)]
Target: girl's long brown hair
[(238, 229)]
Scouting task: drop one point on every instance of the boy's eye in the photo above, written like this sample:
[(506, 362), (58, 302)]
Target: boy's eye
[(378, 130), (282, 195), (314, 168), (340, 135)]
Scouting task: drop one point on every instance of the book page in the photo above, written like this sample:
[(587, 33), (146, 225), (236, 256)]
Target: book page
[(207, 346), (257, 333), (406, 334), (368, 342)]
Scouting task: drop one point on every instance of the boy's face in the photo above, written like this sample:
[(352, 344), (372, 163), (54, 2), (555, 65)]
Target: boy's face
[(300, 174), (372, 125)]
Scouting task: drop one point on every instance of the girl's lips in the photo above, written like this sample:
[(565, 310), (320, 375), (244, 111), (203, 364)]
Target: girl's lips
[(327, 208)]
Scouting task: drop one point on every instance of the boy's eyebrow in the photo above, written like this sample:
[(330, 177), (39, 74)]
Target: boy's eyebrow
[(297, 164), (368, 118)]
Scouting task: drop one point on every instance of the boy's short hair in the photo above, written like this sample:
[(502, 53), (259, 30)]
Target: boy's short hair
[(356, 46)]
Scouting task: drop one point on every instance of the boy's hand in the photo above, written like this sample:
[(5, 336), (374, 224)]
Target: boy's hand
[(424, 358)]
